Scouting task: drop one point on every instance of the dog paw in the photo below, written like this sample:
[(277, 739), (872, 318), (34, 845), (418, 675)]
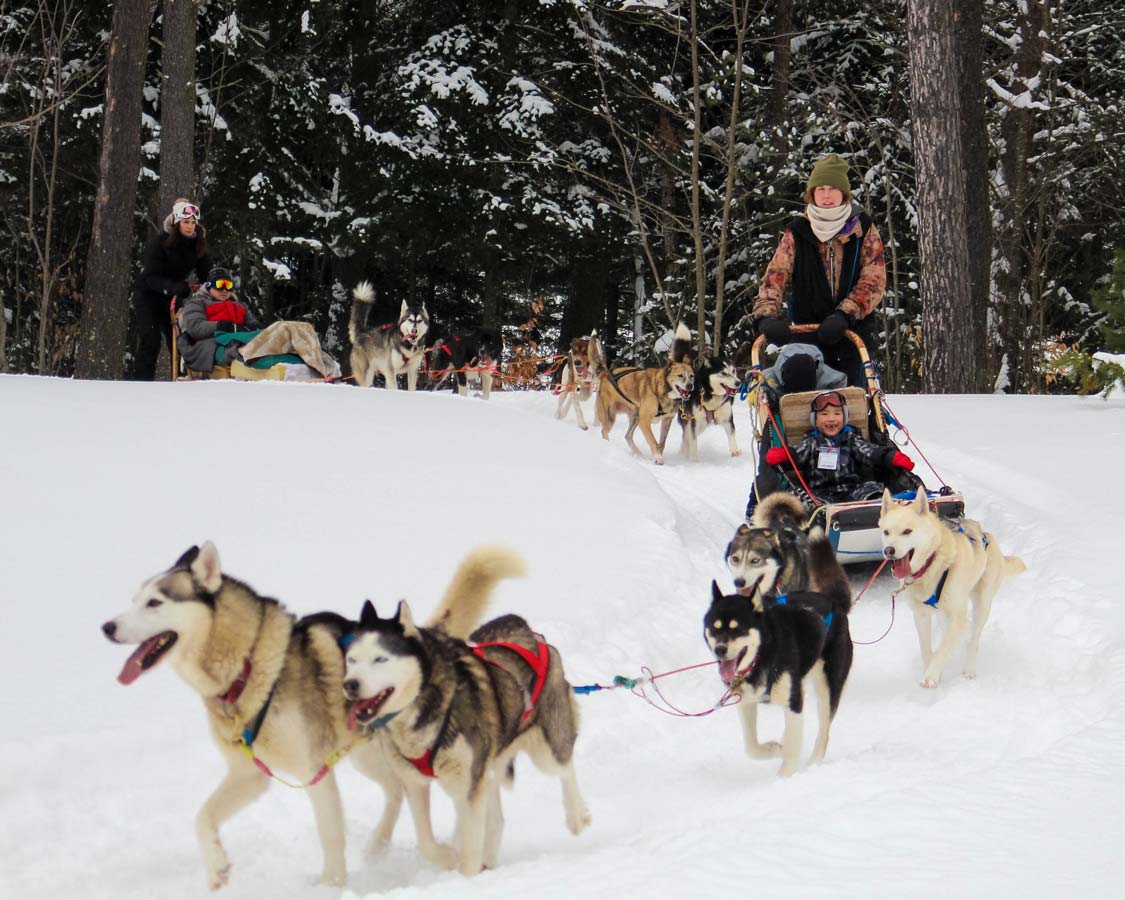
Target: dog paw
[(736, 453), (969, 673), (575, 824), (768, 750), (929, 682), (218, 878), (442, 856), (334, 877), (377, 846), (659, 461), (584, 427)]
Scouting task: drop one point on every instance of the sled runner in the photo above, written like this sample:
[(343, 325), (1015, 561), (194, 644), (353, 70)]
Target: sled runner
[(852, 527)]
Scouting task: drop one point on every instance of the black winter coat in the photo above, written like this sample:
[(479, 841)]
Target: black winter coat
[(162, 268)]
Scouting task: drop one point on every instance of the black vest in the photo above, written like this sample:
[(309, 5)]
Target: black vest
[(811, 299)]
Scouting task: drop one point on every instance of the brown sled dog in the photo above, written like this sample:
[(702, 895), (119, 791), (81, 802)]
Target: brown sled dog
[(647, 395)]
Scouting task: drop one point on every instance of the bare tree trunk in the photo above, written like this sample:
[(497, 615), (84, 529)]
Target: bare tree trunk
[(946, 313), (1017, 128), (696, 147), (177, 102), (101, 348), (3, 335), (782, 55), (968, 18)]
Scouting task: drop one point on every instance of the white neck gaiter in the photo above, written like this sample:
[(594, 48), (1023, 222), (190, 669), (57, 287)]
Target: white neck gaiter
[(826, 223)]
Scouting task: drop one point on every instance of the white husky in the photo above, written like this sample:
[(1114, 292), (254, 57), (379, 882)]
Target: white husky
[(943, 566)]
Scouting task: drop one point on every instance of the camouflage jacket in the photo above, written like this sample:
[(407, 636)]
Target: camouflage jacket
[(866, 292)]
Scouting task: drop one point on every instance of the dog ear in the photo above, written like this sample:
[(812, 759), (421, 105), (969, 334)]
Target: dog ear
[(368, 618), (716, 594), (921, 502), (405, 619), (887, 501), (206, 570), (742, 529), (186, 558)]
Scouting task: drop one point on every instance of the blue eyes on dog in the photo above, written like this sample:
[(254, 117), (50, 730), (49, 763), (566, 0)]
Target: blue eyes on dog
[(152, 604)]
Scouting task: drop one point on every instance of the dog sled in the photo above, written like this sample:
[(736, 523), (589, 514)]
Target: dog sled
[(283, 351), (852, 527)]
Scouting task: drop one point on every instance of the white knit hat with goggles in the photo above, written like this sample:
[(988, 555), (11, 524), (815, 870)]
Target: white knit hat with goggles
[(825, 399), (183, 210)]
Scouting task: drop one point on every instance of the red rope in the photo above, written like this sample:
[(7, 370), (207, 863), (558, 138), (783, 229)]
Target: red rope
[(906, 431), (874, 575), (792, 461), (669, 708)]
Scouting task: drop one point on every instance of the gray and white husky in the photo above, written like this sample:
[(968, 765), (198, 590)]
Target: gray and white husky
[(273, 683), (390, 350), (711, 403), (458, 713)]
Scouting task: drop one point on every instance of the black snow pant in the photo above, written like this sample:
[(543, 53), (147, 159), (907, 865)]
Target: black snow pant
[(152, 318)]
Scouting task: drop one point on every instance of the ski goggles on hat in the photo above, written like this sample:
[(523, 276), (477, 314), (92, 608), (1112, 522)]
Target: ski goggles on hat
[(182, 211), (828, 398), (223, 284)]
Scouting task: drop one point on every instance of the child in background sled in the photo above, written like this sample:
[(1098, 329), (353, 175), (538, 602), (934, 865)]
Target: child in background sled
[(831, 456)]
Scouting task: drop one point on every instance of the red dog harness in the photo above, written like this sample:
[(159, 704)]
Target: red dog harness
[(539, 661)]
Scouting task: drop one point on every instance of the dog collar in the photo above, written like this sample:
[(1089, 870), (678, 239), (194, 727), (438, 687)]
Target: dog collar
[(381, 721), (914, 576), (237, 686)]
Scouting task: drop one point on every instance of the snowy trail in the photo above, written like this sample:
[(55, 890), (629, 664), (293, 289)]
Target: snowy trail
[(1005, 785)]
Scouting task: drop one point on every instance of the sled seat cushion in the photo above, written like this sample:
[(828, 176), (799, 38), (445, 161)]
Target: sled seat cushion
[(795, 412)]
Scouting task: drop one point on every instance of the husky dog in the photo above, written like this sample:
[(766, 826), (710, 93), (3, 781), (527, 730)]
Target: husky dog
[(584, 362), (711, 403), (943, 567), (272, 684), (771, 654), (648, 395), (390, 350), (786, 555), (459, 712), (477, 351)]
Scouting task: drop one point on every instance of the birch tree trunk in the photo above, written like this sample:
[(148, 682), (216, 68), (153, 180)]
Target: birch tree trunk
[(177, 103), (101, 347), (947, 328)]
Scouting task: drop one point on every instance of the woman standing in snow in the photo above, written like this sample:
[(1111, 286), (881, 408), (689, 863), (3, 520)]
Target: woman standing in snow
[(831, 259), (169, 259)]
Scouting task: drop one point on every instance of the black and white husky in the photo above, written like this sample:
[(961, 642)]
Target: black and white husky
[(458, 713), (774, 653), (474, 354), (391, 350), (711, 403)]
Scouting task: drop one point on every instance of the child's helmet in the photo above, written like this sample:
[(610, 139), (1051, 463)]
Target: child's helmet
[(824, 399)]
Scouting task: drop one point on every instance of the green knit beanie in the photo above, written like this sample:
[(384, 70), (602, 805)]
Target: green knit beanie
[(832, 171)]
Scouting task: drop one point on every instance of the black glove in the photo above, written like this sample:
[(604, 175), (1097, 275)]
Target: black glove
[(231, 352), (776, 331), (831, 330), (183, 289), (224, 327)]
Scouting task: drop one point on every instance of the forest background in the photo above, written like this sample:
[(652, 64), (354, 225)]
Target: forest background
[(610, 165)]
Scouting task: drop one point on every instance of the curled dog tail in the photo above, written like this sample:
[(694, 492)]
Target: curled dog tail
[(826, 574), (780, 510), (362, 297), (470, 590)]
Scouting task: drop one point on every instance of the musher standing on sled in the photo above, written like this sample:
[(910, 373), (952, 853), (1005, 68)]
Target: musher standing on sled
[(831, 257), (832, 260)]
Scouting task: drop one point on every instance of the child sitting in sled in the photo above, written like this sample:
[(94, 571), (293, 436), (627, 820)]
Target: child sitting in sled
[(833, 456)]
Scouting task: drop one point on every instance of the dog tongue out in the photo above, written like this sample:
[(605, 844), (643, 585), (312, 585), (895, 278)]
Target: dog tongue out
[(728, 668), (900, 567), (134, 665)]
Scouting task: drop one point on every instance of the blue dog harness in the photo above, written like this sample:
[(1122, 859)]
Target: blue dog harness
[(783, 600)]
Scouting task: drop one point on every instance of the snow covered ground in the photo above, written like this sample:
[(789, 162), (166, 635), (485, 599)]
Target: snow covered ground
[(1007, 786)]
